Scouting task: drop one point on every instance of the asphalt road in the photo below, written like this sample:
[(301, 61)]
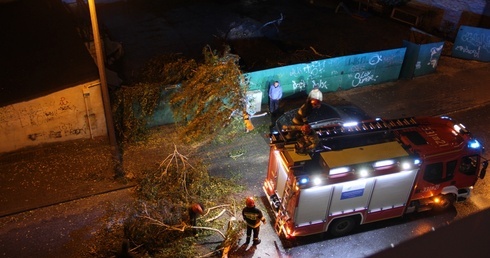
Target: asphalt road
[(459, 88), (25, 235)]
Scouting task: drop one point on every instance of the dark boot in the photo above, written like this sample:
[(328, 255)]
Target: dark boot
[(247, 240), (256, 241)]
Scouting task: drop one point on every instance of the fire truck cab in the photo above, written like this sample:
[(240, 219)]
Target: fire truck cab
[(370, 171)]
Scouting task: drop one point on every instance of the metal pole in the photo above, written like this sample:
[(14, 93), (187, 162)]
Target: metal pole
[(105, 92)]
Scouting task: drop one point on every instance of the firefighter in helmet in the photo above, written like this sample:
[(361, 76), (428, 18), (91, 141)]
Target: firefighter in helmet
[(305, 110), (252, 216), (194, 211), (309, 140)]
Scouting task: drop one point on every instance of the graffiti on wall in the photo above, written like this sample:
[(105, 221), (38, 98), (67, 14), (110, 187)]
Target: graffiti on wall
[(43, 120), (331, 74), (34, 114), (472, 43), (62, 130)]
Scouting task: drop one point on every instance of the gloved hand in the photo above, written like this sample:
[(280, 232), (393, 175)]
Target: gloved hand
[(263, 220)]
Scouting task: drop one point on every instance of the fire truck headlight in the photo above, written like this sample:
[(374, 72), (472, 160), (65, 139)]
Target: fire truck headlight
[(457, 128), (363, 172), (317, 181), (340, 170), (416, 162), (406, 165), (384, 163), (474, 144), (460, 128)]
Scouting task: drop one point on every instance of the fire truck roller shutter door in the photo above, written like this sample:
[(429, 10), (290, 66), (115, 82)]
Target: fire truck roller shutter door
[(313, 205), (282, 177)]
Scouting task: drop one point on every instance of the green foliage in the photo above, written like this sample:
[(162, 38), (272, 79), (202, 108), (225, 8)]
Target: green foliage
[(167, 70), (206, 96), (151, 233), (206, 101), (234, 128), (159, 220), (177, 179), (234, 232), (134, 106), (234, 154)]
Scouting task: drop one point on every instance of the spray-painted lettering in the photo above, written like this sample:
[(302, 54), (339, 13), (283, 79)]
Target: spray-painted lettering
[(320, 84), (299, 86), (362, 77), (477, 39), (466, 50)]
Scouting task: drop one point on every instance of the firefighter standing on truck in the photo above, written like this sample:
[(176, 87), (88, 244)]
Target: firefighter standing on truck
[(309, 140), (252, 217)]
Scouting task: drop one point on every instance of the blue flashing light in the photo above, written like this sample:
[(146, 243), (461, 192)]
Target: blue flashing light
[(474, 144), (303, 180)]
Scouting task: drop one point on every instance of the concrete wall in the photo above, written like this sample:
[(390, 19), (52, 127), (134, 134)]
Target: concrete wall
[(332, 74), (453, 9), (56, 117)]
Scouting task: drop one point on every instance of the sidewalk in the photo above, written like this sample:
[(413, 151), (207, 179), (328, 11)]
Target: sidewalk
[(455, 84), (41, 176)]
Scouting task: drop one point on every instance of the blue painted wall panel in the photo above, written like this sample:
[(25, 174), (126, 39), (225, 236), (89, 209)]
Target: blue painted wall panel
[(420, 59), (472, 43), (411, 56), (331, 74), (428, 58)]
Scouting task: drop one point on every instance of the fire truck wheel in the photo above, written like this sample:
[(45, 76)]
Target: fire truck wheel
[(445, 202), (342, 226)]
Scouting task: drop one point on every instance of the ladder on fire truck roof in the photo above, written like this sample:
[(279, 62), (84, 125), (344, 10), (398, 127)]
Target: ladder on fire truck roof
[(367, 127)]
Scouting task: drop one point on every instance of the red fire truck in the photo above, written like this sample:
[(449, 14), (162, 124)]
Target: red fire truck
[(370, 171)]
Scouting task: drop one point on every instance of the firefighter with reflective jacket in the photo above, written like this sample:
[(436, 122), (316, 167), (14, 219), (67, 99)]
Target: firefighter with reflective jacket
[(305, 110), (309, 140), (301, 117), (252, 217)]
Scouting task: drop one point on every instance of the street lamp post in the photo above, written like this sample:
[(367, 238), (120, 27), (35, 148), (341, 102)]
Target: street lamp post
[(105, 92)]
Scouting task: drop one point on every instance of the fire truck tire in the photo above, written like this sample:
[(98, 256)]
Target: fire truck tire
[(342, 226), (446, 202)]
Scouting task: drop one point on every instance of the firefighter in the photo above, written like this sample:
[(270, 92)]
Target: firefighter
[(309, 140), (304, 111), (195, 210), (252, 217)]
